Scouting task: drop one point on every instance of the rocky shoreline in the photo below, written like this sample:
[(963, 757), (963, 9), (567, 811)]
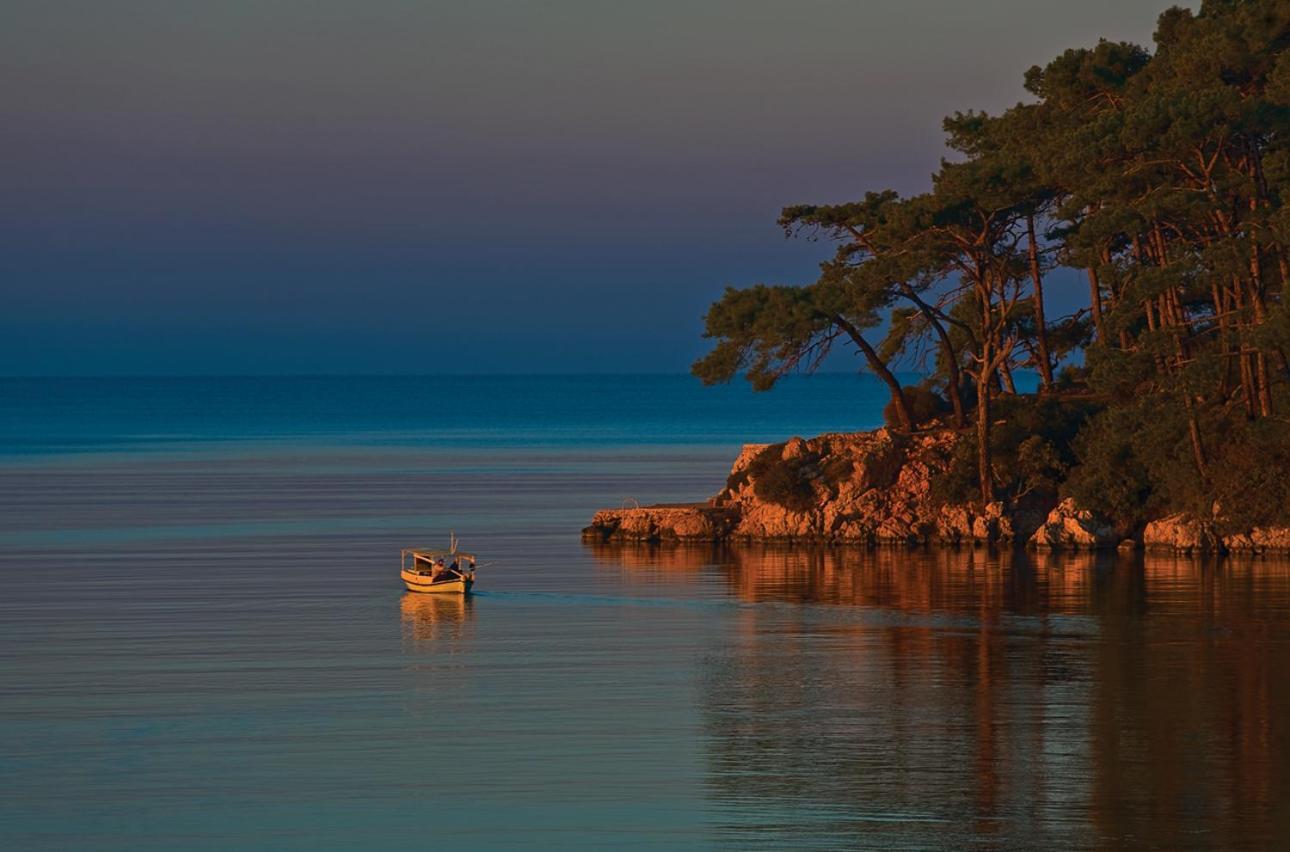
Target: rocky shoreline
[(876, 488)]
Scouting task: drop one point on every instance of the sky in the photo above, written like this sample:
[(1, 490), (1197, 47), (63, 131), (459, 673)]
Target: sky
[(389, 186)]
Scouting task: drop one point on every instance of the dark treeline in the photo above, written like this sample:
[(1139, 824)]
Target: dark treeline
[(1161, 177)]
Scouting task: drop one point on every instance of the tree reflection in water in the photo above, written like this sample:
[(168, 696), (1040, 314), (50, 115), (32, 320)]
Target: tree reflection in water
[(1059, 700)]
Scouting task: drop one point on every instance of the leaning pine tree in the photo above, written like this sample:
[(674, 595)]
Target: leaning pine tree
[(1151, 186)]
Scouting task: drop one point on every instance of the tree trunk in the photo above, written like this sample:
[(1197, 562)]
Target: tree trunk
[(1260, 316), (1193, 432), (1283, 363), (1265, 384), (1161, 366), (1095, 298), (879, 369), (1224, 344), (1247, 383), (1248, 389), (983, 417), (986, 376), (954, 386), (1041, 325), (1005, 376)]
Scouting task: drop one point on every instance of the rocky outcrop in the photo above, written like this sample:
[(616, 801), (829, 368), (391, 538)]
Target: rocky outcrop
[(860, 488), (867, 487), (1183, 533), (1259, 540), (876, 488), (697, 522), (1069, 527), (957, 523)]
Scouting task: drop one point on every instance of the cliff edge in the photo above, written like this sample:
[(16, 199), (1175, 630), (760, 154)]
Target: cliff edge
[(856, 488), (877, 487)]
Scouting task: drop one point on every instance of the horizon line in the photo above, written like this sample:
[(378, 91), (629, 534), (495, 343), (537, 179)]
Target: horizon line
[(396, 375)]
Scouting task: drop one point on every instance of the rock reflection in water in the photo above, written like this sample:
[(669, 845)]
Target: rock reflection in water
[(1056, 700)]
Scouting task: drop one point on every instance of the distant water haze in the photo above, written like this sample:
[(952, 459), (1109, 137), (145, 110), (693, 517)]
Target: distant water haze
[(331, 186)]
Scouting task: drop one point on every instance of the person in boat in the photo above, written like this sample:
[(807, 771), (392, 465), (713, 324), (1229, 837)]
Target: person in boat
[(453, 567)]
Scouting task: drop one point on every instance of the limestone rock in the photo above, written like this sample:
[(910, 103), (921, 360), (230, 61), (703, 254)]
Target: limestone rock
[(854, 532), (968, 524), (954, 524), (1179, 532), (876, 488), (745, 457), (761, 520), (794, 448), (1259, 540), (863, 487), (661, 523), (1069, 527)]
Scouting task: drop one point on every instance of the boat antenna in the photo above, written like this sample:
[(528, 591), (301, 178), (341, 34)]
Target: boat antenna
[(452, 542)]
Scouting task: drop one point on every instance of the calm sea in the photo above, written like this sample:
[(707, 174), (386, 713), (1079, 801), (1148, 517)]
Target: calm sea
[(204, 643)]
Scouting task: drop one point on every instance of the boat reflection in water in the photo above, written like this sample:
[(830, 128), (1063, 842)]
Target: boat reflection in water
[(428, 618), (1046, 700)]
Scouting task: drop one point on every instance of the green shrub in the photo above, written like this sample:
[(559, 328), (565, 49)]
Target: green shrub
[(1109, 476), (789, 483), (958, 482), (1249, 473), (1032, 450), (836, 471), (784, 485), (925, 404), (1135, 461)]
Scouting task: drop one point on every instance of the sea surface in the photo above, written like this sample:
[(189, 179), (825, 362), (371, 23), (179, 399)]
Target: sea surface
[(204, 643)]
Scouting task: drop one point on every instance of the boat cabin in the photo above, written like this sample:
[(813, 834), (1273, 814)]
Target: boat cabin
[(425, 570), (418, 561)]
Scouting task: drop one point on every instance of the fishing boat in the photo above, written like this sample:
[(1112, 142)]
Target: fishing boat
[(444, 572)]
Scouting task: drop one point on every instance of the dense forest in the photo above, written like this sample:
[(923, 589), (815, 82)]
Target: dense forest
[(1160, 177)]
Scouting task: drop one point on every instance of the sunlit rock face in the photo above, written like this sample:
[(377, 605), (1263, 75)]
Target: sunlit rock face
[(1185, 534), (1260, 539), (661, 523), (1179, 532), (858, 488), (876, 488), (761, 520), (864, 487), (746, 455), (969, 524), (1069, 527)]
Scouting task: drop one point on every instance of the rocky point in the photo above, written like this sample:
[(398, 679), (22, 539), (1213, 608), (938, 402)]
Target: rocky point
[(877, 488)]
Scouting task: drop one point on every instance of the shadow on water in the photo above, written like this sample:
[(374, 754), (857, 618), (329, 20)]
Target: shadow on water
[(1063, 700)]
